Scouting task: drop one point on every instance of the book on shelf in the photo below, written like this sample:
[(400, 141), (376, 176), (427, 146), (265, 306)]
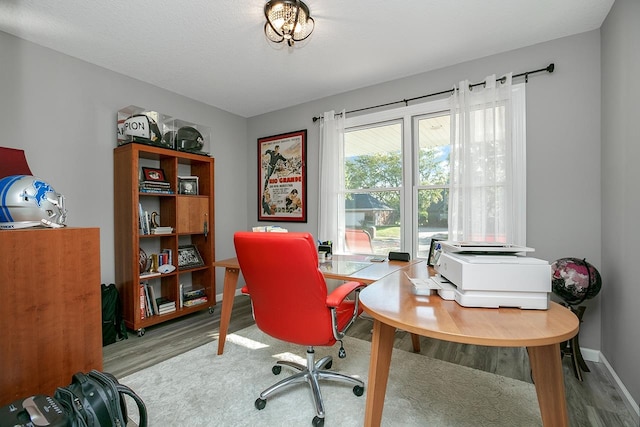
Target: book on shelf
[(193, 293), (156, 190), (140, 218), (155, 184), (149, 274), (155, 187), (181, 296), (167, 310), (196, 301), (148, 305), (162, 230), (169, 254), (167, 307), (145, 226), (143, 302), (143, 218), (152, 298), (164, 302)]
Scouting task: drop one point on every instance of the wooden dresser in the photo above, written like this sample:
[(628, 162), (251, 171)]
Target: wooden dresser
[(50, 309)]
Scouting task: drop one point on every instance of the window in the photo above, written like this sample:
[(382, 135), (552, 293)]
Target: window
[(373, 184), (431, 212), (383, 152), (397, 176)]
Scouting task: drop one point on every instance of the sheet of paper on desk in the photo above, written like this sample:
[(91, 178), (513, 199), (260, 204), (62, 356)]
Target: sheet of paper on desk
[(424, 286)]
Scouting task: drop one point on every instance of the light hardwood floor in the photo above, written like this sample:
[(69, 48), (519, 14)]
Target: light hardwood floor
[(593, 402)]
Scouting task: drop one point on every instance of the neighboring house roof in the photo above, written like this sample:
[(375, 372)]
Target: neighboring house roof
[(365, 202)]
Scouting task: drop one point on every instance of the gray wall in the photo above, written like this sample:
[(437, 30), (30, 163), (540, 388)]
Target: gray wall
[(62, 112), (620, 199), (563, 145)]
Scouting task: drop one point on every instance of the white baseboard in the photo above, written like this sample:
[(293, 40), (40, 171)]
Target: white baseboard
[(598, 357), (590, 355), (219, 296)]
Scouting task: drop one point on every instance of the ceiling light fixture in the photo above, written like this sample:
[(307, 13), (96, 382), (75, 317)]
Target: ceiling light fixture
[(287, 20)]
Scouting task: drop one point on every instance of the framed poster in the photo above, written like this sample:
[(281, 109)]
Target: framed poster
[(282, 177)]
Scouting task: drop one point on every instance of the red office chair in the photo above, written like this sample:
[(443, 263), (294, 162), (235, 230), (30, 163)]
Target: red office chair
[(358, 241), (290, 302)]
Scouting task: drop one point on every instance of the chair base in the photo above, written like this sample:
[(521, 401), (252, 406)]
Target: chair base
[(311, 374)]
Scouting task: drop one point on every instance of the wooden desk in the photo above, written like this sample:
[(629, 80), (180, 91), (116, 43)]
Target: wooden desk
[(340, 267), (392, 304)]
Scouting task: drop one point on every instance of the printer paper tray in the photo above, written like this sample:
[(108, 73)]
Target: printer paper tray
[(495, 299)]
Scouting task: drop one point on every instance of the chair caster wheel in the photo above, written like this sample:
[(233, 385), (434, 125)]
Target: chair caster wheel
[(260, 404), (276, 370), (140, 332), (317, 421), (329, 364), (357, 390)]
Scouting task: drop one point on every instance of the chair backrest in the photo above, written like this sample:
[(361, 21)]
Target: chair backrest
[(13, 162), (287, 289), (358, 241)]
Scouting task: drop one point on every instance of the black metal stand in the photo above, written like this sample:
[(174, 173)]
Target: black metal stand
[(572, 348)]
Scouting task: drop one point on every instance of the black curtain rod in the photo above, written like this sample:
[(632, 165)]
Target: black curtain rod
[(549, 68)]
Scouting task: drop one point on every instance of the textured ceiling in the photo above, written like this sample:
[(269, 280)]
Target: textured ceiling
[(215, 51)]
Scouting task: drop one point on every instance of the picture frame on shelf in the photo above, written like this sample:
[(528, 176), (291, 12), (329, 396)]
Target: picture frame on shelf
[(188, 185), (189, 257), (282, 177), (153, 174)]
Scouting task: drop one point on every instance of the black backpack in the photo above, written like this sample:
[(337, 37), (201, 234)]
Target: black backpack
[(97, 399), (113, 328)]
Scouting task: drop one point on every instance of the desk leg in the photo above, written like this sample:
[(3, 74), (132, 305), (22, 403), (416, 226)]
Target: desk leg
[(381, 348), (228, 294), (415, 340), (546, 368)]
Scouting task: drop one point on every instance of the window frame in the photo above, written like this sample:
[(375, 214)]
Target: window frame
[(408, 189), (410, 156), (416, 186)]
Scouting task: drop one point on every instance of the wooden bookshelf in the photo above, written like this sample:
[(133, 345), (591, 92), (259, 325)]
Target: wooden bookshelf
[(191, 217)]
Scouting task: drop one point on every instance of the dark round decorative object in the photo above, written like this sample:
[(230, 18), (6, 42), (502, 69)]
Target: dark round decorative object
[(575, 280), (143, 261)]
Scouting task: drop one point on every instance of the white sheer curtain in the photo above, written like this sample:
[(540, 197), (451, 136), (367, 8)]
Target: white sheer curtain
[(487, 196), (331, 200)]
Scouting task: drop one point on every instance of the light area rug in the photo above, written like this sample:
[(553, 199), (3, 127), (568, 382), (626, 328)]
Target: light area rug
[(200, 388)]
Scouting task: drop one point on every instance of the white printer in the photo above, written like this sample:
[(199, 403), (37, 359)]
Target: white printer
[(492, 276)]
